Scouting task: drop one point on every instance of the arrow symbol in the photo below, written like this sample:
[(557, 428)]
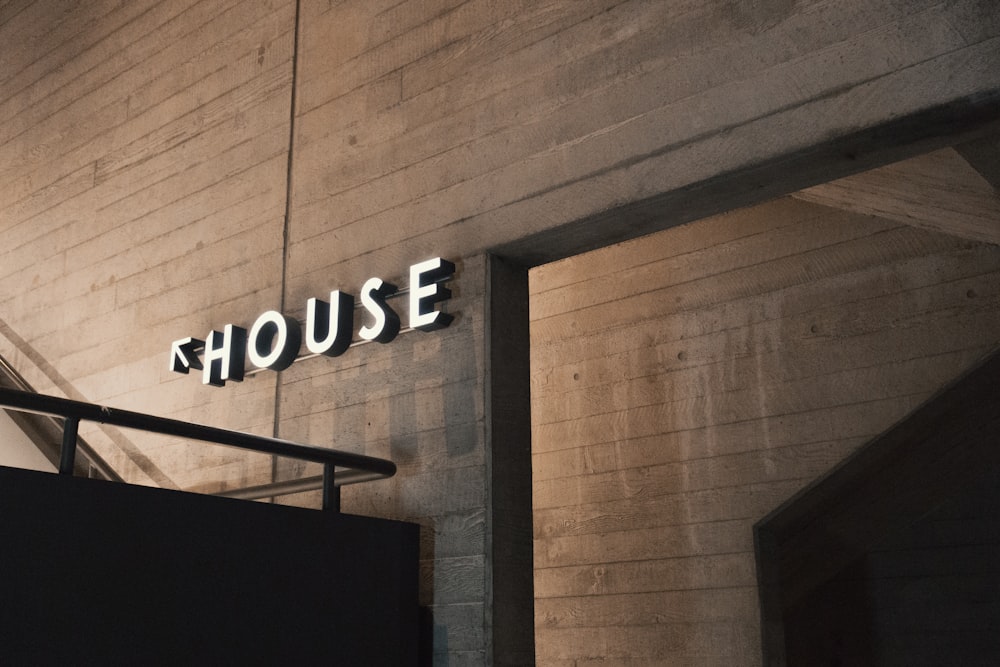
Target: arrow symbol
[(184, 355)]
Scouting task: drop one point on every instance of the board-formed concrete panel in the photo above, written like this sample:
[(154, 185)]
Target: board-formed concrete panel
[(171, 166)]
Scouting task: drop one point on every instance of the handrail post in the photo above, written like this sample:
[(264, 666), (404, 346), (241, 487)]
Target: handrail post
[(68, 456), (331, 492)]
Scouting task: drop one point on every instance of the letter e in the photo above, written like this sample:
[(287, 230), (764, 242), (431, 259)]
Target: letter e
[(426, 290)]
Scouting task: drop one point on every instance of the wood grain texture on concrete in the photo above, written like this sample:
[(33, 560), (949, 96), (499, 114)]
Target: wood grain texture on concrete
[(686, 384), (171, 166)]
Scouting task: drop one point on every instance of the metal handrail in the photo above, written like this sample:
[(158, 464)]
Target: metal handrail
[(271, 489), (357, 467), (10, 375)]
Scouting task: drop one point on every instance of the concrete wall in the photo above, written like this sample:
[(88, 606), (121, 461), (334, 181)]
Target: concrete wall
[(686, 384), (162, 176), (144, 154), (17, 450)]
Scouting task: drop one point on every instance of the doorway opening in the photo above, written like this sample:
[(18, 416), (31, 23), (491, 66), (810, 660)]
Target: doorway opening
[(687, 383)]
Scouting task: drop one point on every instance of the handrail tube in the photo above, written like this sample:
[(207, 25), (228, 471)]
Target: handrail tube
[(284, 488), (369, 467)]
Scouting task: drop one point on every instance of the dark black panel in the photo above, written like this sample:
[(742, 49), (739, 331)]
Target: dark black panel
[(95, 572)]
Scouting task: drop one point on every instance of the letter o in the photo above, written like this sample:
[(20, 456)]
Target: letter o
[(274, 341)]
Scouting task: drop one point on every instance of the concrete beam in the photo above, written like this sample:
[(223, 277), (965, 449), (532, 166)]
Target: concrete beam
[(983, 155), (938, 191)]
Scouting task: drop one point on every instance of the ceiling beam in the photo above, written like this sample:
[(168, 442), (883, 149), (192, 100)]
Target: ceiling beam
[(983, 155), (938, 191)]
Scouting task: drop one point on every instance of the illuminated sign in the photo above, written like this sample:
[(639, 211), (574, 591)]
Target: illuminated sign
[(274, 340)]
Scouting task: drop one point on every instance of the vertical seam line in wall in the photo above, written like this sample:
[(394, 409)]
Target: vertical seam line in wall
[(275, 429)]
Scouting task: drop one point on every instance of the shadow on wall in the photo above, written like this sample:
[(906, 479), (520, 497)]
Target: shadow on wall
[(891, 559), (927, 595)]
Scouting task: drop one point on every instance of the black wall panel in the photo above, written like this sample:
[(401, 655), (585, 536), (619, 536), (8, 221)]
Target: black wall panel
[(96, 572)]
